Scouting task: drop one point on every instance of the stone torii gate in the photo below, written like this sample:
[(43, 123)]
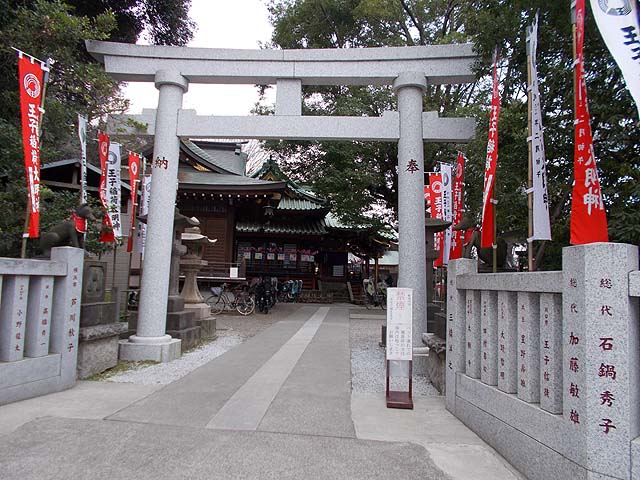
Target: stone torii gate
[(408, 69)]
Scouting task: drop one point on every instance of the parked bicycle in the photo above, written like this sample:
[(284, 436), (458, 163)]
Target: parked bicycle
[(289, 291), (374, 297), (223, 299)]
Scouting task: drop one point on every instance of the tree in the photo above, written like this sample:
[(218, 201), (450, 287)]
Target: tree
[(357, 175), (77, 84)]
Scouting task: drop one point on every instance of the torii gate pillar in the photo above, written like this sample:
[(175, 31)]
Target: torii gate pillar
[(409, 88)]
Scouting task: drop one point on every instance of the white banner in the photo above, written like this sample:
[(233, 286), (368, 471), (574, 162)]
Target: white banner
[(619, 26), (541, 225), (399, 323), (82, 135), (113, 189), (145, 192), (447, 206)]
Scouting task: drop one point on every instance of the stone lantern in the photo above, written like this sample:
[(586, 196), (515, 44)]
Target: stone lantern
[(191, 263)]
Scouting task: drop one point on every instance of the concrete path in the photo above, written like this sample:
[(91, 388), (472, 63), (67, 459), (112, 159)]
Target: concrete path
[(277, 406)]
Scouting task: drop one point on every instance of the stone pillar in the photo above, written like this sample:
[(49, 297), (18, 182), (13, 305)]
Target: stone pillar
[(601, 356), (150, 341), (409, 88), (456, 325)]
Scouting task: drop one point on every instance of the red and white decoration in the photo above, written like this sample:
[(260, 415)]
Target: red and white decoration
[(487, 236), (31, 80), (588, 216), (134, 175), (106, 236), (455, 251), (435, 187)]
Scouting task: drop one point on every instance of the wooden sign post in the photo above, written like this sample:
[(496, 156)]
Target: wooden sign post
[(399, 344)]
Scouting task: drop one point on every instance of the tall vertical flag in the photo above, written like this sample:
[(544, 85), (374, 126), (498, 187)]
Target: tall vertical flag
[(82, 136), (619, 25), (31, 73), (435, 187), (106, 236), (488, 222), (457, 240), (588, 216), (145, 193), (447, 209), (134, 175), (113, 189), (541, 223)]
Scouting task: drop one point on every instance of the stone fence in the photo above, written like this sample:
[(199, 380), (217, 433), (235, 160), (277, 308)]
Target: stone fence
[(545, 366), (39, 323)]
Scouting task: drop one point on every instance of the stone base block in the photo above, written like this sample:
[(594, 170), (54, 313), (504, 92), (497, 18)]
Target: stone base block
[(207, 328), (98, 348), (201, 310), (436, 361), (158, 352), (179, 320), (189, 336), (98, 313), (175, 303)]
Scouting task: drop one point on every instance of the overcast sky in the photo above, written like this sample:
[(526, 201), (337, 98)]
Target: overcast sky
[(221, 24)]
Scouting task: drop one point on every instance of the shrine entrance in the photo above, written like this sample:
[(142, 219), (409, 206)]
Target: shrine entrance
[(407, 69)]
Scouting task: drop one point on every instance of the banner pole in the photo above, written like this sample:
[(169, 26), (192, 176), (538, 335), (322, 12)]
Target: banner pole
[(530, 163)]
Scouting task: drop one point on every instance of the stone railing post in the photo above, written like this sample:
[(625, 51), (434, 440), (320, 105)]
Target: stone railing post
[(601, 356), (151, 341), (456, 326), (409, 88), (65, 319)]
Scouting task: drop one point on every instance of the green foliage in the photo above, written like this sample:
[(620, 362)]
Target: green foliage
[(357, 176)]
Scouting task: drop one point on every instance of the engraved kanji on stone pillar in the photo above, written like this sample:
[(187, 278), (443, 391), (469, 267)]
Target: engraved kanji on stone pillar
[(551, 352), (507, 341), (39, 316), (601, 339), (528, 349), (489, 336), (456, 325), (13, 317), (472, 333)]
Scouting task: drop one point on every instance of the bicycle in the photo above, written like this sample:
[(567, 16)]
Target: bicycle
[(224, 300)]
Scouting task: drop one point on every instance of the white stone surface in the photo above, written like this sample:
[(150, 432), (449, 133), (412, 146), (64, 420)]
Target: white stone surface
[(551, 352), (508, 342), (456, 325), (36, 343), (355, 66), (13, 317), (472, 333), (528, 347), (289, 96), (489, 336), (409, 88), (548, 282), (166, 351)]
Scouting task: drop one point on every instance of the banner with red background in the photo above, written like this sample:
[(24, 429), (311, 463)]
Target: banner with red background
[(588, 216), (134, 175), (487, 239), (106, 235), (435, 187), (458, 207), (31, 80)]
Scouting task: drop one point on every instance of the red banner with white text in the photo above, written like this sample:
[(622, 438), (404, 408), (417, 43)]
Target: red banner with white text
[(106, 235), (31, 80), (134, 175), (458, 207), (486, 239), (437, 211), (588, 216)]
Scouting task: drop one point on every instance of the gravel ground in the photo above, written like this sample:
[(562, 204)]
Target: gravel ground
[(232, 331), (368, 364)]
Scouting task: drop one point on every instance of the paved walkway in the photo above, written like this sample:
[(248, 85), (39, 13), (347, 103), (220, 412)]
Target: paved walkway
[(278, 406)]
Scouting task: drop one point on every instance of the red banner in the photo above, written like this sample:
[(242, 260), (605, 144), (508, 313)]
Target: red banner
[(134, 175), (458, 207), (106, 235), (487, 239), (31, 80), (435, 187), (588, 216)]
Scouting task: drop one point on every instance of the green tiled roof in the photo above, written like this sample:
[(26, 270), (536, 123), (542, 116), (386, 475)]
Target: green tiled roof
[(299, 204), (303, 228)]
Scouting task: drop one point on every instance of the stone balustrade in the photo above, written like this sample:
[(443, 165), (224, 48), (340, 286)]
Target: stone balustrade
[(39, 323), (544, 366)]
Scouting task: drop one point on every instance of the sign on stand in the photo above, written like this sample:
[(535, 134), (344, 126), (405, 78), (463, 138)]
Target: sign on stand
[(399, 344)]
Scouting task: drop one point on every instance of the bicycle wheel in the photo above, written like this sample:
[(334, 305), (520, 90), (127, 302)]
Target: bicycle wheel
[(383, 302), (217, 304), (246, 305)]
